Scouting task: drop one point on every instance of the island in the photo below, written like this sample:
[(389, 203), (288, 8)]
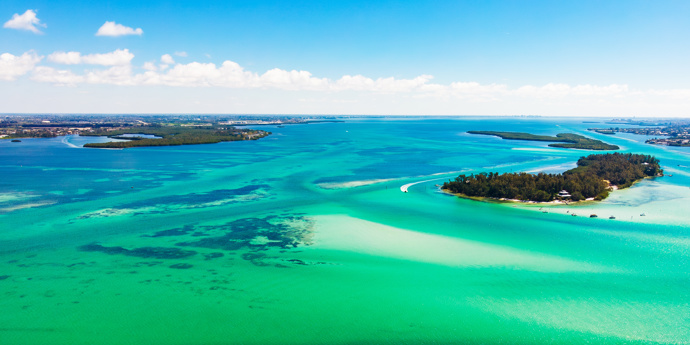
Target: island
[(569, 140), (173, 136), (593, 178)]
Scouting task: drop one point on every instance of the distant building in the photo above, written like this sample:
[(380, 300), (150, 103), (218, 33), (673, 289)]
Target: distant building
[(564, 194)]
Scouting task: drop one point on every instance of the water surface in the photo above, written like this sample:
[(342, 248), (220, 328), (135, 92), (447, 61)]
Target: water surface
[(305, 237)]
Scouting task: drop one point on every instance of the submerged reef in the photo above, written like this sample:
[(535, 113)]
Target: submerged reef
[(257, 234), (142, 252), (247, 236)]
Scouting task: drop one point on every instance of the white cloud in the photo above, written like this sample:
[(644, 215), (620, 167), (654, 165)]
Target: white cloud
[(232, 75), (382, 85), (167, 59), (114, 30), (65, 58), (181, 54), (58, 77), (115, 58), (197, 74), (292, 80), (27, 21), (116, 75), (12, 66), (150, 66), (466, 95)]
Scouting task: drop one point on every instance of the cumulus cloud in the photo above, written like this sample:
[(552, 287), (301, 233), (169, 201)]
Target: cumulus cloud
[(167, 59), (116, 75), (12, 66), (113, 29), (115, 58), (119, 70), (382, 85), (232, 75), (65, 58), (27, 21), (58, 77), (150, 66), (292, 80)]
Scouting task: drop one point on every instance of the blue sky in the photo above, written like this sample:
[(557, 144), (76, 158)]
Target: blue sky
[(598, 58)]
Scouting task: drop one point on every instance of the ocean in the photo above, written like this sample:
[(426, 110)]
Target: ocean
[(305, 237)]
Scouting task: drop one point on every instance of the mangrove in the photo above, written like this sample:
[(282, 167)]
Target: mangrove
[(174, 135), (594, 176), (565, 140)]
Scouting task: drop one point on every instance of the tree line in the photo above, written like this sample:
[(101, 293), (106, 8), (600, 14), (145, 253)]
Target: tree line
[(566, 140), (177, 135), (587, 180)]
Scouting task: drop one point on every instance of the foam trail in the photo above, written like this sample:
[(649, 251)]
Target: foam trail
[(66, 142), (404, 187)]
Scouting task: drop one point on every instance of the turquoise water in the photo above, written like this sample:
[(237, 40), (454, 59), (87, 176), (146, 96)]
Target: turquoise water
[(305, 237)]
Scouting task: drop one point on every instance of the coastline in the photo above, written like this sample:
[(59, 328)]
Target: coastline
[(515, 201), (612, 188)]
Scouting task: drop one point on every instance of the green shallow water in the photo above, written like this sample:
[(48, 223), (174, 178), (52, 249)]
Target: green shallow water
[(305, 237)]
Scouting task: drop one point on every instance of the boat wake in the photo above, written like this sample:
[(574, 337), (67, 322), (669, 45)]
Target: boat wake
[(404, 187), (65, 141)]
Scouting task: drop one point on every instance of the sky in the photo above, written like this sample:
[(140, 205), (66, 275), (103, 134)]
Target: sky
[(551, 58)]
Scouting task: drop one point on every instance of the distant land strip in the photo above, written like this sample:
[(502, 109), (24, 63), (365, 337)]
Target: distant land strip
[(174, 135), (570, 140)]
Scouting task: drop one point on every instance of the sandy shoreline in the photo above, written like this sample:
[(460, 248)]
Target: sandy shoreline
[(516, 201), (612, 188)]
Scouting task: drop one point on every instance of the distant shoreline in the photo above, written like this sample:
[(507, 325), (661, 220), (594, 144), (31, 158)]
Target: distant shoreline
[(566, 140)]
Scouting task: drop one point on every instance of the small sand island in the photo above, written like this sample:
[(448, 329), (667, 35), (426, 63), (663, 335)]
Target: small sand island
[(593, 178), (568, 140)]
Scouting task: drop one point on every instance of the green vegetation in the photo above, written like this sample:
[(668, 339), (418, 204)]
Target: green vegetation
[(588, 180), (603, 131), (572, 141), (175, 135)]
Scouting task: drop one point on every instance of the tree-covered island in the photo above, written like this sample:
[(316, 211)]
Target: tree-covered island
[(594, 176), (568, 140), (174, 135)]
